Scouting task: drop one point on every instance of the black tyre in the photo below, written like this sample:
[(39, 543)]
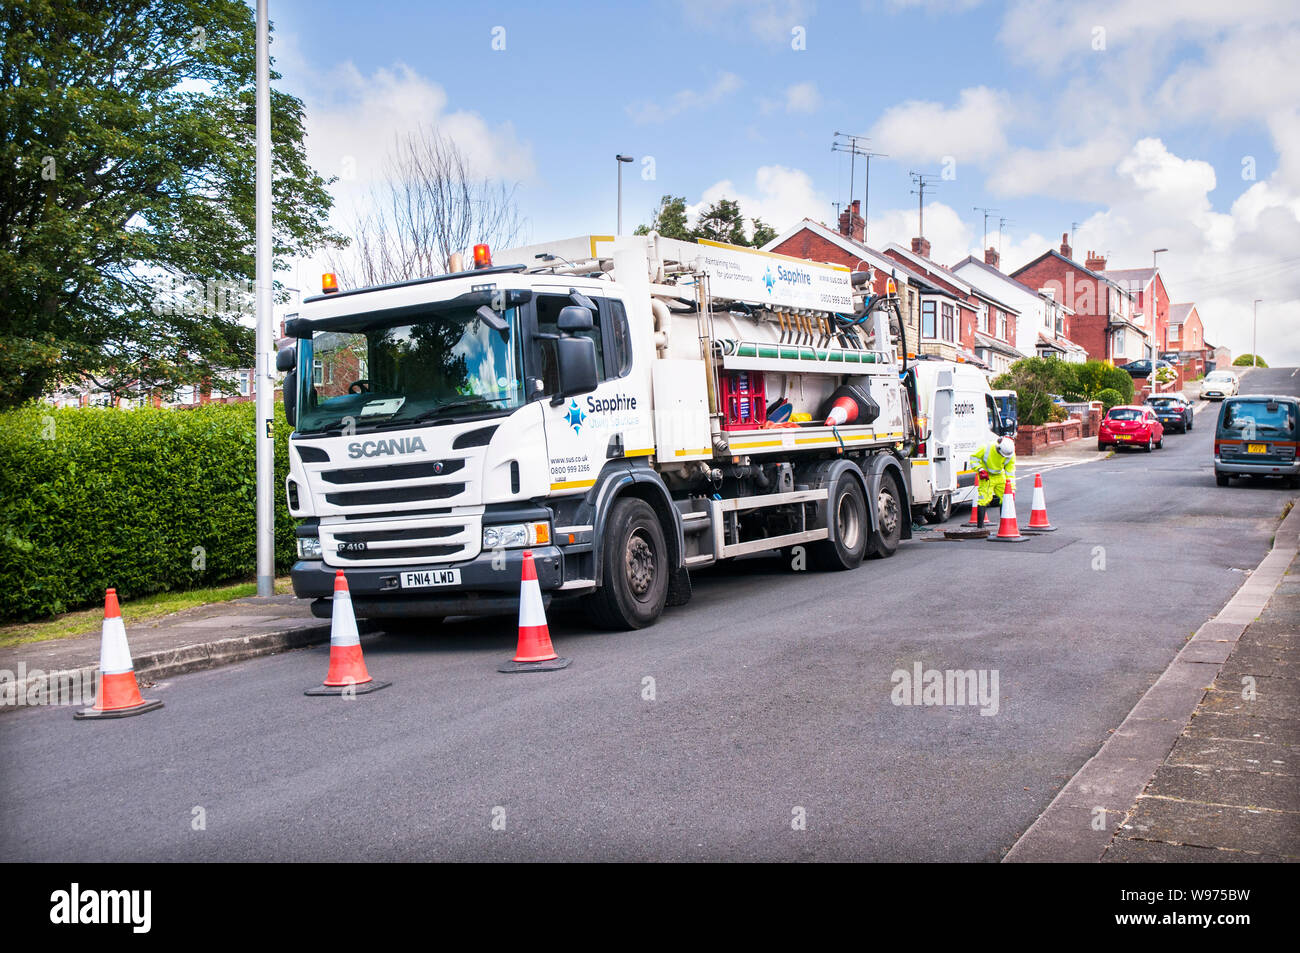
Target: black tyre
[(1221, 479), (889, 512), (846, 515), (1151, 445), (1160, 444), (940, 511), (635, 570)]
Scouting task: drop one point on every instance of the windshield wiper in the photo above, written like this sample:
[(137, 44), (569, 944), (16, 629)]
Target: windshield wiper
[(441, 409)]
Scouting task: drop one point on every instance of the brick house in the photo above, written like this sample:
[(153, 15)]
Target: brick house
[(1105, 321), (1186, 332), (950, 310), (1039, 327), (1152, 302)]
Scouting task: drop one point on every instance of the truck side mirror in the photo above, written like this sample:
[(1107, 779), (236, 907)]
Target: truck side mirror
[(574, 320), (290, 396), (575, 359), (286, 358)]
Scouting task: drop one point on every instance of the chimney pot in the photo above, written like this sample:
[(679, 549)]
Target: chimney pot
[(991, 256), (921, 246)]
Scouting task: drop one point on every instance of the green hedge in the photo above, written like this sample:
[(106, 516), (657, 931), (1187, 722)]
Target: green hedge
[(97, 498)]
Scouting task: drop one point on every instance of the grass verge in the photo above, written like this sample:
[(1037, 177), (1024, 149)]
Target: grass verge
[(144, 609)]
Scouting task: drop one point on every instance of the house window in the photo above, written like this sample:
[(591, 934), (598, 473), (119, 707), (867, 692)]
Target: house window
[(1173, 332), (927, 319), (245, 383), (1119, 342), (984, 320), (1002, 325), (949, 333)]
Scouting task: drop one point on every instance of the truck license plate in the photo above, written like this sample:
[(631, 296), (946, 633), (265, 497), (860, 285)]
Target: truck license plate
[(422, 579), (1257, 448)]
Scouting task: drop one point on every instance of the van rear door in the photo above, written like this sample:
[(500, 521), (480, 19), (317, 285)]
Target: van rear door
[(1258, 430), (943, 467)]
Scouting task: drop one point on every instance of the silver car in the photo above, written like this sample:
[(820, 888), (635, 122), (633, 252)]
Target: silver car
[(1218, 385)]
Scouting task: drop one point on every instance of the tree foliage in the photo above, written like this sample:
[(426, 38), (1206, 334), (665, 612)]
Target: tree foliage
[(722, 221), (1248, 360), (127, 142), (1035, 379)]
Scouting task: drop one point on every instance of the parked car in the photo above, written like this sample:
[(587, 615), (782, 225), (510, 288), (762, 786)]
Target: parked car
[(1144, 368), (1219, 384), (1256, 436), (1174, 410), (1131, 426)]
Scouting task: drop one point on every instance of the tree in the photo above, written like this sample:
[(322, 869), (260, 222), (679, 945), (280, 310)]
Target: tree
[(127, 192), (763, 233), (722, 222), (1248, 360), (669, 220), (429, 207), (1035, 380)]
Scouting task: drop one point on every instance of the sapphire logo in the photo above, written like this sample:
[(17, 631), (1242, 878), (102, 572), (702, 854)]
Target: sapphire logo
[(769, 280), (575, 416)]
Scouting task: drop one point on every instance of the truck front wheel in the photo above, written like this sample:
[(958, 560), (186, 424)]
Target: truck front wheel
[(635, 570), (846, 518)]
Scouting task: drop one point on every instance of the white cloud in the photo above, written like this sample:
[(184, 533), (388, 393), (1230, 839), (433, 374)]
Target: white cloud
[(799, 98), (679, 102), (971, 130), (780, 197), (353, 120), (950, 238), (768, 20), (1222, 261), (1250, 73)]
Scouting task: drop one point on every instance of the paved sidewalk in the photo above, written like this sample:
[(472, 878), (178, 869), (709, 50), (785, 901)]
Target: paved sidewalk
[(1230, 788), (1153, 755), (203, 637)]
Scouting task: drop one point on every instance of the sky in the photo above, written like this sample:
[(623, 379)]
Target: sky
[(1135, 128)]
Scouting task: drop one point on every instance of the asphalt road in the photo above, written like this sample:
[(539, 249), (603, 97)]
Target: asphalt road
[(772, 693)]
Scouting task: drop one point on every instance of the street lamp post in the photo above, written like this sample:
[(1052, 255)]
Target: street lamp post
[(264, 394), (1254, 336), (621, 159)]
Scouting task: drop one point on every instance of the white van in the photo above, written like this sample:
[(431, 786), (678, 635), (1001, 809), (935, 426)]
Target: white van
[(956, 414)]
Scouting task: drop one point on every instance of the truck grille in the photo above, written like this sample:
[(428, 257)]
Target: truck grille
[(396, 541), (402, 494), (399, 471)]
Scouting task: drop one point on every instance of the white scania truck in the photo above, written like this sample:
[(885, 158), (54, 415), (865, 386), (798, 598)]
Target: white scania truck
[(628, 409)]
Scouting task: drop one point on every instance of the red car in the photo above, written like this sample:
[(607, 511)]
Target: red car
[(1131, 426)]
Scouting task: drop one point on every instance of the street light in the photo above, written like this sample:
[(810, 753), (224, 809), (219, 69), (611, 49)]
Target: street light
[(264, 394), (1254, 336), (621, 160)]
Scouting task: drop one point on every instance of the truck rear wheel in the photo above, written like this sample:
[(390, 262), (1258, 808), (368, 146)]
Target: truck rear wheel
[(846, 518), (635, 570), (889, 512), (940, 510)]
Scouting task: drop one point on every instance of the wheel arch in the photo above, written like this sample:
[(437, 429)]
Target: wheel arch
[(620, 480)]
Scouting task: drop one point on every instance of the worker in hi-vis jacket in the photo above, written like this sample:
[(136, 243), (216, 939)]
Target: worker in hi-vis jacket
[(996, 464)]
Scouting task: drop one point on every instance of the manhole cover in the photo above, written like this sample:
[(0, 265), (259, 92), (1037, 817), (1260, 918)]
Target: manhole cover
[(967, 532)]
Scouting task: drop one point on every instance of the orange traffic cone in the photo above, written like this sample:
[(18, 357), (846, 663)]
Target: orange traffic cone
[(347, 673), (843, 411), (535, 653), (1038, 510), (1008, 528), (118, 693)]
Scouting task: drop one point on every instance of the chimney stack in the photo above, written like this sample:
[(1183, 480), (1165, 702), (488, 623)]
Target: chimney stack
[(852, 225), (921, 246), (991, 256), (1095, 262), (1066, 250)]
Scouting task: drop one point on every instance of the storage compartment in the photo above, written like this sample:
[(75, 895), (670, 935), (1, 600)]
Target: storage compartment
[(744, 400)]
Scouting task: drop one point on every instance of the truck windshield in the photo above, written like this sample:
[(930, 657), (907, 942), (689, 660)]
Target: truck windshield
[(379, 374)]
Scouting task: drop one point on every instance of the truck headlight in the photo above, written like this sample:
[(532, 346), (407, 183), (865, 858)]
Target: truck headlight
[(309, 547), (516, 535)]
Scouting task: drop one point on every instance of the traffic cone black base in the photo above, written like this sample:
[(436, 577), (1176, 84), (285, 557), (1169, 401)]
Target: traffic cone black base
[(364, 688), (92, 713), (550, 665)]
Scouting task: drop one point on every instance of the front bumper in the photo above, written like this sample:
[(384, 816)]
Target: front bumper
[(484, 588), (1241, 468)]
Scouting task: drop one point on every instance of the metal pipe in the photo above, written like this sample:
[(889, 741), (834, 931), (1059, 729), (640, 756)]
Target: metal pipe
[(264, 367)]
